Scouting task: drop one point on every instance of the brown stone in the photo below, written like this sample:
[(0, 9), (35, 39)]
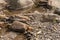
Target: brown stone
[(20, 27)]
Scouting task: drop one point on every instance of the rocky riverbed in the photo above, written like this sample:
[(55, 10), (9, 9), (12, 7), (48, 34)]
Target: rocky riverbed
[(33, 23)]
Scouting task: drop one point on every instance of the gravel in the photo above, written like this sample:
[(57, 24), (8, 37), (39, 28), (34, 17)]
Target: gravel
[(46, 25)]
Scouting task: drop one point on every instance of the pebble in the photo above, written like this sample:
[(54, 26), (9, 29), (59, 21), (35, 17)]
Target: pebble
[(20, 27), (26, 3), (39, 32), (48, 39), (23, 17)]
